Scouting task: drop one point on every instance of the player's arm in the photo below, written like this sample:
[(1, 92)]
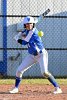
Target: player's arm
[(23, 42)]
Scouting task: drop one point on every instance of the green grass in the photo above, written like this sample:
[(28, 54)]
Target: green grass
[(32, 81)]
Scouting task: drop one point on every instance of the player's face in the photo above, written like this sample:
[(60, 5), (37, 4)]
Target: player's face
[(29, 26)]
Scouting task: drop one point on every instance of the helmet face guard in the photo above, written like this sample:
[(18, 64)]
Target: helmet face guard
[(33, 25)]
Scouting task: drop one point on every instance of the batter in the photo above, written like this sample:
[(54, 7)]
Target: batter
[(37, 53)]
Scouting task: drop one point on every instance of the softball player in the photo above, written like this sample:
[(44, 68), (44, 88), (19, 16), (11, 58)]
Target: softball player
[(37, 53)]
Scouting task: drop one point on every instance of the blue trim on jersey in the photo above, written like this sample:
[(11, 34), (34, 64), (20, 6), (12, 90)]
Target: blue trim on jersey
[(25, 32), (34, 42), (3, 64), (24, 42)]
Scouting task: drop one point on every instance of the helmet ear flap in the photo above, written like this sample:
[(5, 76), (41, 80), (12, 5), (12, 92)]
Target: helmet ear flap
[(24, 26), (33, 25)]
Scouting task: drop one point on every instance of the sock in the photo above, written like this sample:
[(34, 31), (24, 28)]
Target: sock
[(17, 82), (53, 81)]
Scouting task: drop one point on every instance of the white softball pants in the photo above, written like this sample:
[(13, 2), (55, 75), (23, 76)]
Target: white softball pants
[(41, 58)]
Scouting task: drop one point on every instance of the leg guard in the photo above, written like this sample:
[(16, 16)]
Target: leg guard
[(18, 79), (46, 74), (19, 74), (17, 82), (51, 79)]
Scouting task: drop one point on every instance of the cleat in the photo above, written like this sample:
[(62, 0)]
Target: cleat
[(15, 90), (57, 91)]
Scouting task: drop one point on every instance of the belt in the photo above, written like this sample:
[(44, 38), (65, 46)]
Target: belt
[(36, 53)]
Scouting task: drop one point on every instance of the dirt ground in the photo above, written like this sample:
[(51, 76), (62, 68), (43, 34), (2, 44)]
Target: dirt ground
[(32, 92)]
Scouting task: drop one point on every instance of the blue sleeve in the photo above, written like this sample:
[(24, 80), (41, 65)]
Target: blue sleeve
[(37, 39), (24, 42)]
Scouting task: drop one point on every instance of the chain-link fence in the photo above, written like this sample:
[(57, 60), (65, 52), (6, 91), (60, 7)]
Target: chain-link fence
[(54, 27)]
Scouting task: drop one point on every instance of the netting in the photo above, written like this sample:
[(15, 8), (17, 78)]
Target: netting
[(54, 26)]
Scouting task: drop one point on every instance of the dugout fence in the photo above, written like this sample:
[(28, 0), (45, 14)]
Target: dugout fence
[(55, 36)]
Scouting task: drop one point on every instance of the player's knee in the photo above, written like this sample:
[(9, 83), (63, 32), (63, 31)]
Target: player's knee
[(18, 74), (46, 74)]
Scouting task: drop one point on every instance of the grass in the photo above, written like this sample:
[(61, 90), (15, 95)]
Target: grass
[(32, 81)]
